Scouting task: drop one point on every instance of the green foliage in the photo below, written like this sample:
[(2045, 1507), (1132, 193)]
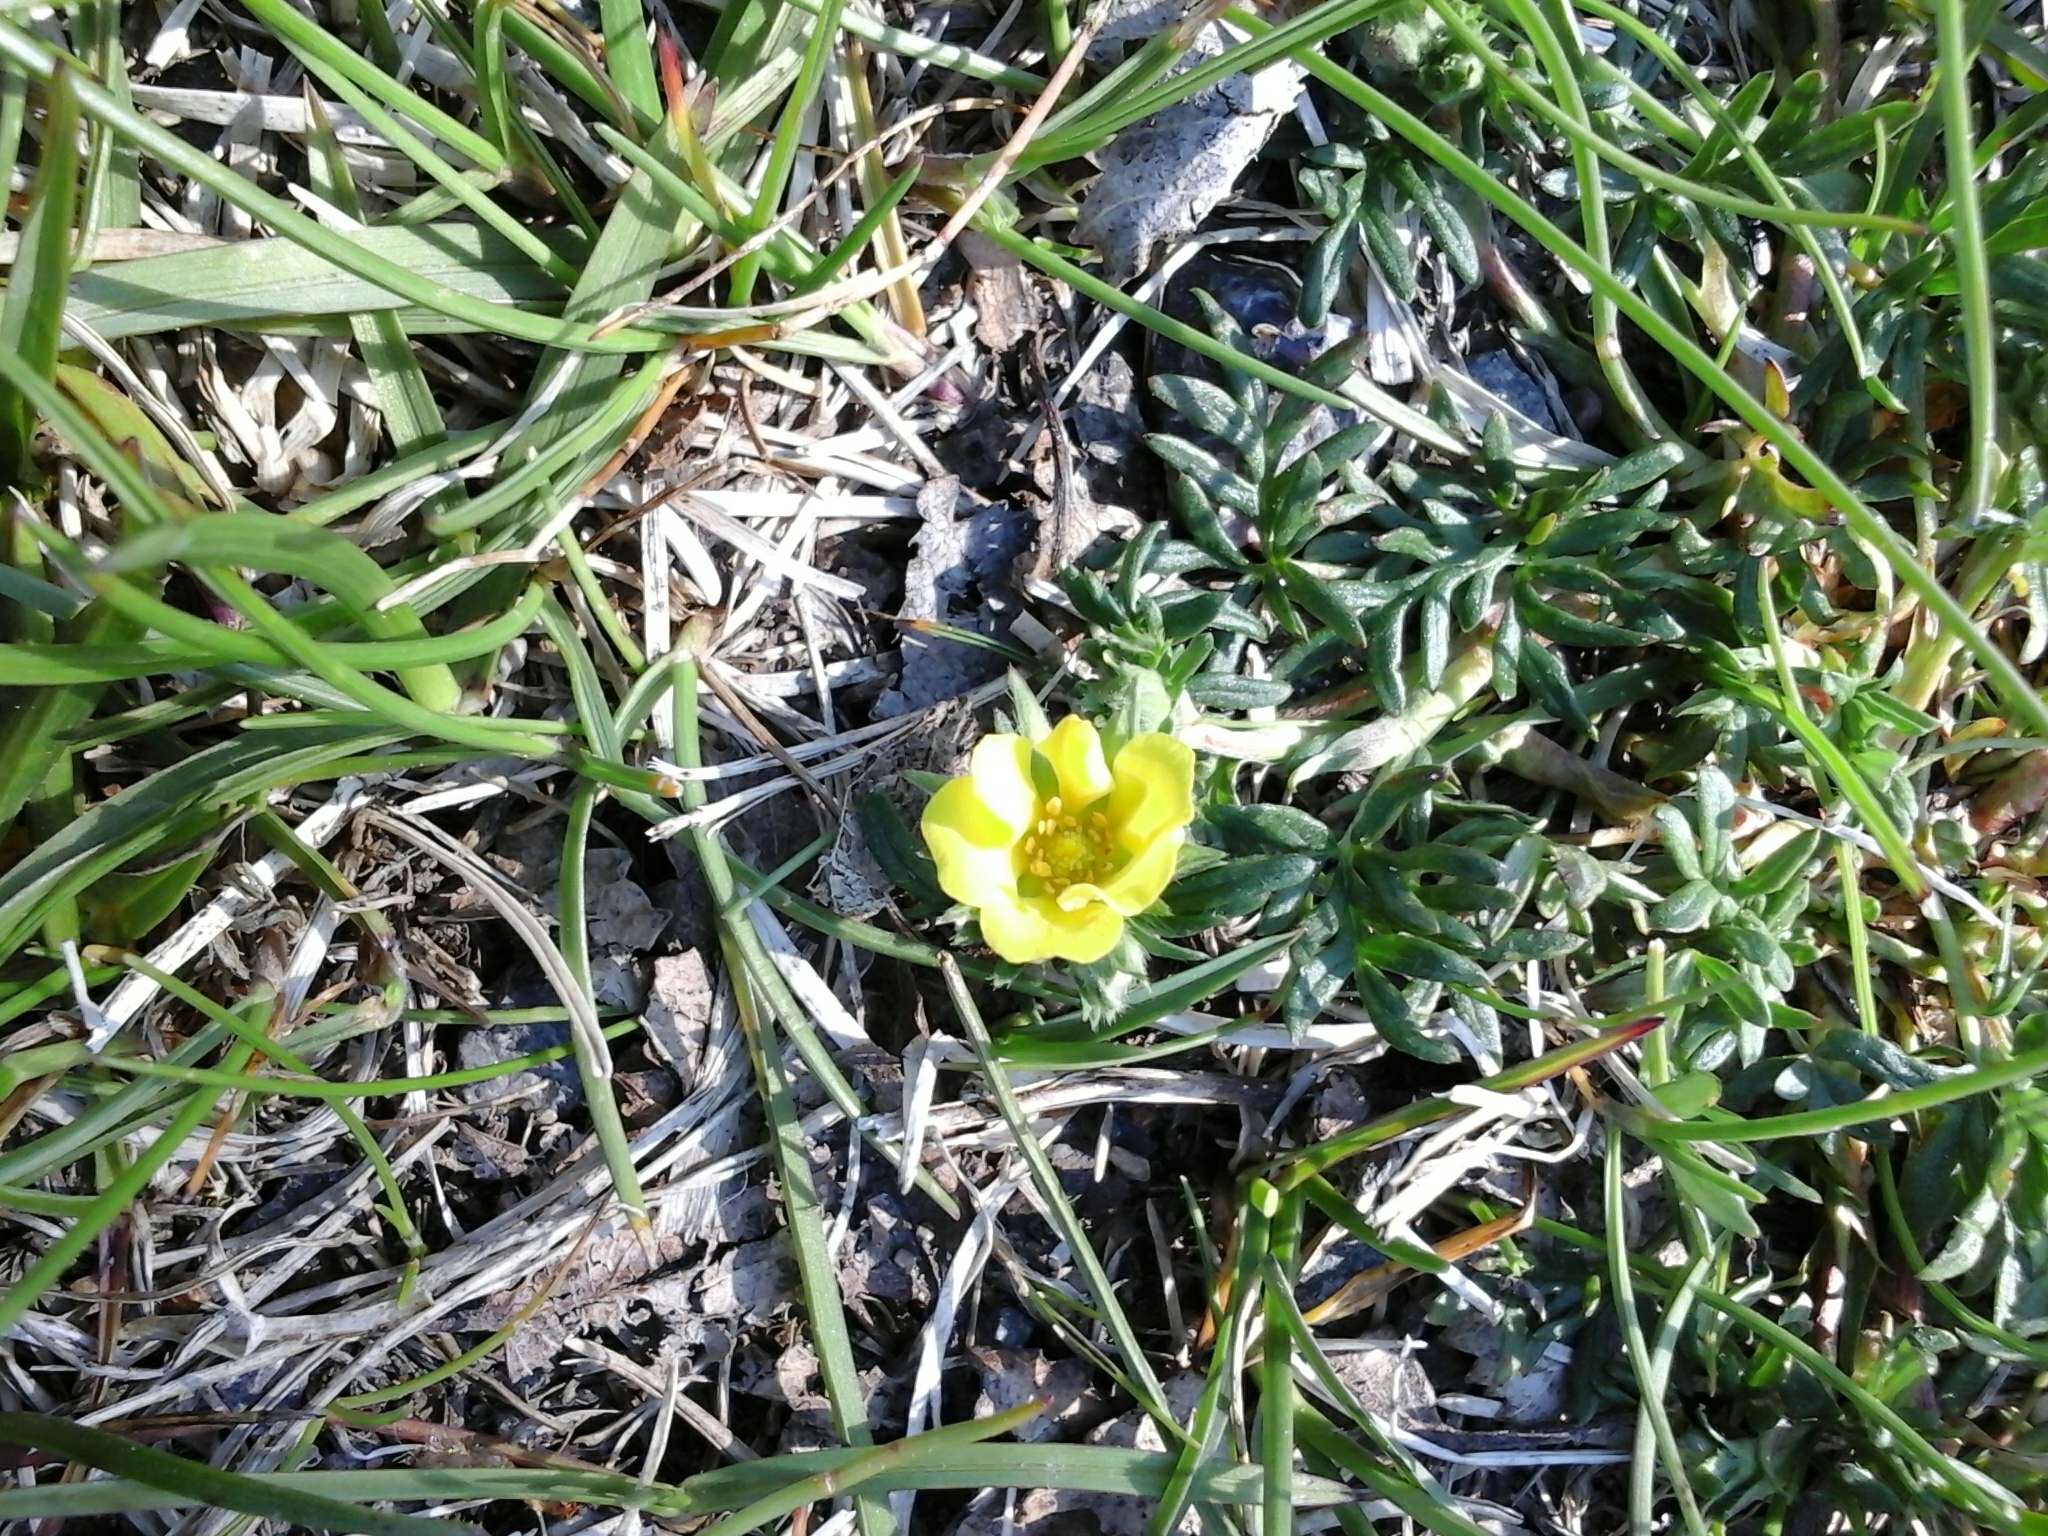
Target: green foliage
[(1686, 777)]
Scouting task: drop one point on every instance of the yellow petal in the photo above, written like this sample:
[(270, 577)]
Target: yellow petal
[(972, 847), (1155, 790), (1001, 774), (1025, 929), (1075, 752), (1135, 887)]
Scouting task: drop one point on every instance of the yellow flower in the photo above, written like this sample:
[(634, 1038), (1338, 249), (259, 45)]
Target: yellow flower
[(1053, 846)]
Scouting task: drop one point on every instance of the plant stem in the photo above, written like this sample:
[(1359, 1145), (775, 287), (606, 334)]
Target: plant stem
[(1956, 58)]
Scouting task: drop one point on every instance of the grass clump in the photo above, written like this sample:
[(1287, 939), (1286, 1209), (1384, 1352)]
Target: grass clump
[(503, 501)]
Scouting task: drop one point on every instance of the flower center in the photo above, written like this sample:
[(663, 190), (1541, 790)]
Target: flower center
[(1065, 846)]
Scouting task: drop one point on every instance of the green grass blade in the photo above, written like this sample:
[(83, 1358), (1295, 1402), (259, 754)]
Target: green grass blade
[(774, 181), (29, 54), (628, 58), (1276, 1363), (112, 831), (264, 541), (1131, 1354), (368, 1088), (286, 288), (587, 1033), (817, 1273), (1894, 1105), (113, 178), (609, 407), (1196, 1456), (314, 43), (932, 1445), (196, 1483), (32, 313), (1956, 61), (718, 870), (460, 186), (1148, 1003), (37, 666), (1086, 1468), (857, 239), (1651, 1402)]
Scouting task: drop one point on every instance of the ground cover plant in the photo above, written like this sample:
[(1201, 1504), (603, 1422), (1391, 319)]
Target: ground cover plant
[(818, 766)]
